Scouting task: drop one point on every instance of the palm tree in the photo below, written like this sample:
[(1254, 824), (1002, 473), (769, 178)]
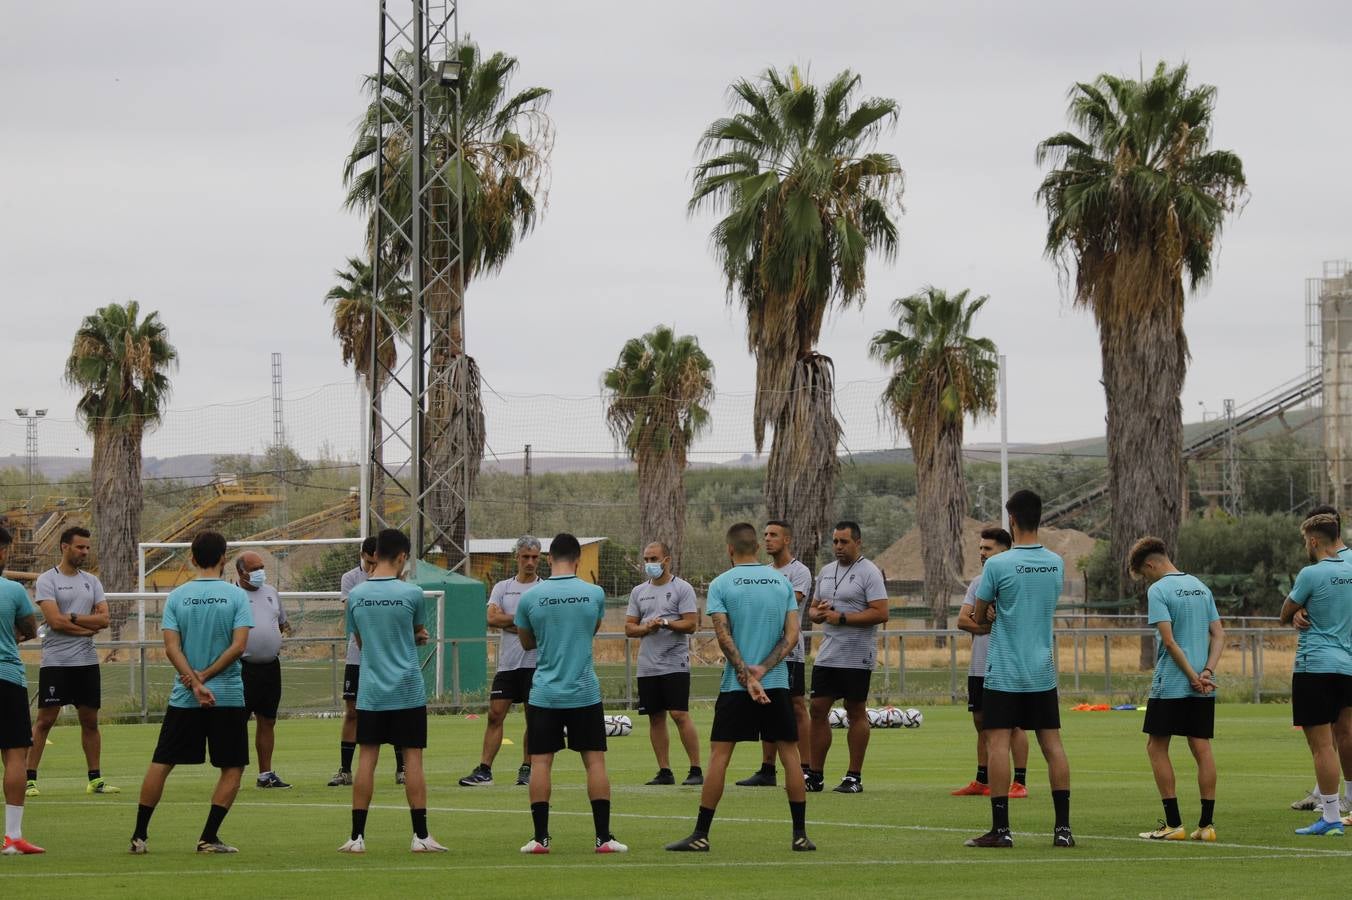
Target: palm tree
[(941, 374), (804, 199), (502, 172), (660, 389), (119, 361), (1135, 200), (354, 318)]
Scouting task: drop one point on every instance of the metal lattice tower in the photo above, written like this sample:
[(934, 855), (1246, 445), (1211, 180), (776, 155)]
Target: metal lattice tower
[(1232, 487), (278, 426), (421, 432)]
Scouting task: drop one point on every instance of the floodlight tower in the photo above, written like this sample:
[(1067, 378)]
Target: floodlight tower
[(31, 444), (425, 455)]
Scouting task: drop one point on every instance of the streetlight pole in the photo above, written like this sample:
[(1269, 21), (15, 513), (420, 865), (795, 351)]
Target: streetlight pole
[(31, 444)]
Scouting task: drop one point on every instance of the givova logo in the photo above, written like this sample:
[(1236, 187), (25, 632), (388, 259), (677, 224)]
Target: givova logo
[(1036, 570), (1183, 593), (754, 581), (380, 603), (559, 601), (1340, 581), (204, 601)]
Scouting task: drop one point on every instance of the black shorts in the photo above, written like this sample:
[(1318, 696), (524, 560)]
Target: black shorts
[(1193, 717), (513, 685), (262, 687), (1318, 698), (400, 727), (659, 693), (16, 728), (1029, 710), (850, 685), (739, 718), (351, 680), (585, 728), (69, 686), (186, 733), (974, 691), (797, 678)]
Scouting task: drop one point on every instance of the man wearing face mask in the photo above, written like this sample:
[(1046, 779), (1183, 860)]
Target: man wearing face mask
[(260, 667), (663, 613)]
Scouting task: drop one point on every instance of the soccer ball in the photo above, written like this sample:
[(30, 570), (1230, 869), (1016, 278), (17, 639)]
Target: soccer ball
[(624, 725), (876, 718), (837, 718), (612, 727), (912, 718), (892, 717)]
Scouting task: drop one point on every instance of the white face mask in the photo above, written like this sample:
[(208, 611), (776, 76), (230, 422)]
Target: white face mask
[(258, 577), (652, 570)]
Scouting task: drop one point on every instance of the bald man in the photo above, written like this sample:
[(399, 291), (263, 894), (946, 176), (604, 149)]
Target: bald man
[(260, 666)]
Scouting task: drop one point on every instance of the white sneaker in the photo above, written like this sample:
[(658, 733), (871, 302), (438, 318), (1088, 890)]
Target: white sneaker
[(611, 846), (355, 845), (1308, 802), (138, 847), (426, 845), (535, 846)]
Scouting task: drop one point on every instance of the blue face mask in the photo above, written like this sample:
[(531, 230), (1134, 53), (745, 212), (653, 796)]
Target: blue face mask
[(652, 570), (258, 577)]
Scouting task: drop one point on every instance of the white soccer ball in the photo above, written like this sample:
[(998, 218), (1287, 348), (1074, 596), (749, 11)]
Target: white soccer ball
[(612, 727), (837, 718), (892, 717), (912, 718), (625, 725), (876, 718)]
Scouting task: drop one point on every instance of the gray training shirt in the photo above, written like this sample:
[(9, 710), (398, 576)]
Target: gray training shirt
[(79, 594), (848, 589), (511, 655), (980, 642), (351, 578), (265, 638), (664, 651), (801, 578)]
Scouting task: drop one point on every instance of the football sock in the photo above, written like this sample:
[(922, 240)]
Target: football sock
[(95, 774), (1021, 776), (798, 810), (855, 775), (358, 823), (1061, 803), (32, 774), (1208, 813), (1172, 817), (807, 769), (1331, 812), (143, 814), (664, 772), (696, 770), (539, 813), (767, 768), (983, 775), (601, 819), (214, 820), (999, 813), (704, 821), (399, 759), (345, 751), (817, 774), (419, 822), (13, 821)]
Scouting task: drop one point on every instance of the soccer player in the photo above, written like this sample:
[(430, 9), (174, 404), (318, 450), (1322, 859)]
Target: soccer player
[(1023, 584), (559, 617), (1183, 692), (993, 540), (205, 627), (850, 604), (72, 603), (662, 614), (1320, 605), (352, 676), (385, 617), (18, 623), (260, 667), (516, 666), (756, 617), (778, 538), (1312, 800)]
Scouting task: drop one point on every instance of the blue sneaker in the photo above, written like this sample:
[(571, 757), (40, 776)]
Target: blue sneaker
[(1320, 827)]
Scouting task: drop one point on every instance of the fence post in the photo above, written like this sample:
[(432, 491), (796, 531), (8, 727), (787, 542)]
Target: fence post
[(901, 666), (952, 670), (439, 678), (1076, 653), (887, 665), (333, 671), (1257, 669), (145, 705), (1108, 666), (455, 672)]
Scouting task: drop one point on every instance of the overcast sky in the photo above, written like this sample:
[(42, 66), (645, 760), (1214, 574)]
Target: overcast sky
[(188, 155)]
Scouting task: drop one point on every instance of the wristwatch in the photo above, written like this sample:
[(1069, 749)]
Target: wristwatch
[(74, 619), (663, 623), (841, 620)]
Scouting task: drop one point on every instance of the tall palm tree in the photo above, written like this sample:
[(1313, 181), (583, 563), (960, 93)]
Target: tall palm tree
[(501, 171), (1135, 200), (805, 199), (355, 316), (941, 374), (660, 388), (120, 361)]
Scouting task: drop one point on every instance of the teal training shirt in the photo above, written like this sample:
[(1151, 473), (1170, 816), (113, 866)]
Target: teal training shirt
[(563, 612), (384, 612), (756, 599), (205, 612), (1325, 590), (14, 605), (1024, 583), (1187, 605)]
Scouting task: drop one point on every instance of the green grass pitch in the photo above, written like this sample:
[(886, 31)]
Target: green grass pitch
[(904, 833)]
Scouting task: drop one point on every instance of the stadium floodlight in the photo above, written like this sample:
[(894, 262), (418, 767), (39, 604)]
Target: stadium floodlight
[(39, 413), (21, 412), (448, 72)]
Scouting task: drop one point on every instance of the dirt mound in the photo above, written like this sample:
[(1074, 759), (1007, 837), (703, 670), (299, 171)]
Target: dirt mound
[(902, 561)]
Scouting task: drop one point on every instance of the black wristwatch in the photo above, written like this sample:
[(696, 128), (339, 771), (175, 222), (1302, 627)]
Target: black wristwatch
[(74, 619), (842, 619)]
